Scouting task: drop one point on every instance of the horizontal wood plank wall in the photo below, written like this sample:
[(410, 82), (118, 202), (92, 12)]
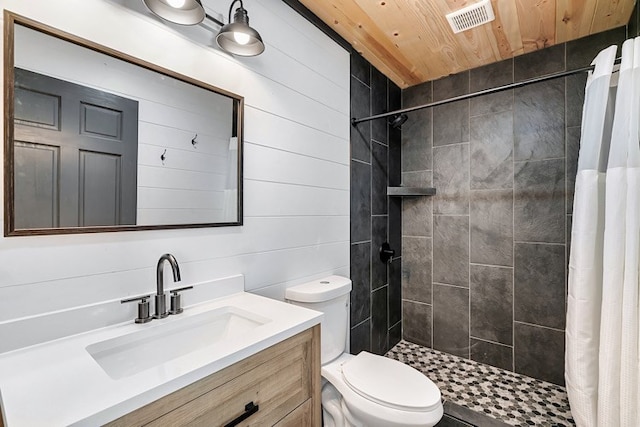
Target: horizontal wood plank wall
[(296, 194)]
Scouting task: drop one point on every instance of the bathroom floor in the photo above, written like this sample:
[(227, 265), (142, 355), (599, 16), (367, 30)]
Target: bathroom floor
[(511, 398)]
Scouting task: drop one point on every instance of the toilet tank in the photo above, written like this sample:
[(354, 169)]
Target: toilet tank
[(331, 297)]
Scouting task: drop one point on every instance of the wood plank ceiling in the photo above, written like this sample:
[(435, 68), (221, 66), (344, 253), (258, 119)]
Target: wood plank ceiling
[(411, 42)]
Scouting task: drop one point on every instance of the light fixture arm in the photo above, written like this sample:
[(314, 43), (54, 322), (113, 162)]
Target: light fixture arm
[(231, 8), (235, 37), (211, 18)]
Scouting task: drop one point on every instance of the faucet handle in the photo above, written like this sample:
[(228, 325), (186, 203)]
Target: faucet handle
[(143, 308), (176, 303)]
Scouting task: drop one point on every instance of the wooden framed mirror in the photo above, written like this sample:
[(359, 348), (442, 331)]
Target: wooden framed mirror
[(99, 141)]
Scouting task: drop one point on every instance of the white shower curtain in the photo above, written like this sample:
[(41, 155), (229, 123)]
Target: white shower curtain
[(601, 364)]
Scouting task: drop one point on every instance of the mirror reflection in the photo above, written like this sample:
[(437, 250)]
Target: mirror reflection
[(103, 143)]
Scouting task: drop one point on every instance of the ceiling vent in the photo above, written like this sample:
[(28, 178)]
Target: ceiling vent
[(471, 16)]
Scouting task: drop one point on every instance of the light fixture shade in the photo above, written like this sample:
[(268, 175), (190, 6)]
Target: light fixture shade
[(228, 41), (189, 13)]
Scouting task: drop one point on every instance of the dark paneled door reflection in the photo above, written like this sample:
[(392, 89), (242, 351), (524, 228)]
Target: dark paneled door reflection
[(75, 155)]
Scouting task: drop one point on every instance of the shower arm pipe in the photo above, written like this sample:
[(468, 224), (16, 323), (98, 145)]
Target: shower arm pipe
[(355, 121)]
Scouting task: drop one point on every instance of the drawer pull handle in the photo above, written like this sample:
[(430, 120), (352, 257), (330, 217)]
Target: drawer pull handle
[(249, 409)]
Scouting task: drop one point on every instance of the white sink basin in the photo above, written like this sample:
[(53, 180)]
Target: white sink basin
[(170, 339)]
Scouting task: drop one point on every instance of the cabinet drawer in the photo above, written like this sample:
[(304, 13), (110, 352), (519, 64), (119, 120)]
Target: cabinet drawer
[(302, 416), (277, 386)]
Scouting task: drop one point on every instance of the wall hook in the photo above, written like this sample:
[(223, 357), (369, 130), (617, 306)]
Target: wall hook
[(163, 156), (194, 142)]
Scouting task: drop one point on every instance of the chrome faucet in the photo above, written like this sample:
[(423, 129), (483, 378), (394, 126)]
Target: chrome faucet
[(160, 297)]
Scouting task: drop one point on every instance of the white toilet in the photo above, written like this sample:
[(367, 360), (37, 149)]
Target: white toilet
[(363, 390)]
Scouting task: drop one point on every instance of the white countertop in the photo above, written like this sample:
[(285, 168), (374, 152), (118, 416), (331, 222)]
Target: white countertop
[(58, 383)]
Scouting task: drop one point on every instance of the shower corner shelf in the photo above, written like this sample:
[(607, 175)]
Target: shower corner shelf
[(410, 191)]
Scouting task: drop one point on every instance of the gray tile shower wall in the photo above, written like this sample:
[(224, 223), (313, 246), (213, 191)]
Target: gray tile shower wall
[(484, 262), (376, 305)]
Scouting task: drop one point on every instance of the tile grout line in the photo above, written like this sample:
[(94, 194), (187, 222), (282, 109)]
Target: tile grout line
[(432, 220), (469, 226), (513, 225)]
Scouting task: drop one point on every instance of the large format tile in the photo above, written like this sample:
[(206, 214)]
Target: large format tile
[(492, 103), (416, 322), (491, 222), (361, 133), (569, 228), (416, 269), (378, 237), (417, 211), (395, 136), (573, 148), (632, 26), (539, 352), (498, 355), (539, 121), (395, 292), (491, 75), (539, 63), (582, 51), (539, 201), (451, 250), (417, 141), (361, 337), (378, 105), (360, 68), (451, 179), (487, 77), (491, 296), (395, 335), (491, 149), (575, 98), (379, 172), (360, 202), (539, 289), (379, 327), (360, 278), (395, 224), (451, 319), (417, 95), (450, 86), (451, 123)]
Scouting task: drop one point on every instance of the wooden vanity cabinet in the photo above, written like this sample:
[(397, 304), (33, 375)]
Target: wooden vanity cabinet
[(282, 380)]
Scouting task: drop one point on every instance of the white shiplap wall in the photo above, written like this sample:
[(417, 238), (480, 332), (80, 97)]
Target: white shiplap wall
[(296, 168)]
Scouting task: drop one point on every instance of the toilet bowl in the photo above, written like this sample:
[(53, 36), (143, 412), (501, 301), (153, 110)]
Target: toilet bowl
[(365, 389)]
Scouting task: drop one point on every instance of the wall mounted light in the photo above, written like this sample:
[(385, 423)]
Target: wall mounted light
[(183, 12), (236, 37)]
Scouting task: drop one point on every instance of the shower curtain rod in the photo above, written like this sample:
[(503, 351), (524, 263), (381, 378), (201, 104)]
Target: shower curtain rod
[(355, 121)]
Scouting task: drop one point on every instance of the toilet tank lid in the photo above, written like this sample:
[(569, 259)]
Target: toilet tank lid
[(319, 290)]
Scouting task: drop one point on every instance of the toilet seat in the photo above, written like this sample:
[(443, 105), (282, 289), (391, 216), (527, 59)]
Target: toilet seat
[(393, 384)]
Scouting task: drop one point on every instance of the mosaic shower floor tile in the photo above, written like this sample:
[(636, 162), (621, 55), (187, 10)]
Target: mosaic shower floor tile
[(506, 396)]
